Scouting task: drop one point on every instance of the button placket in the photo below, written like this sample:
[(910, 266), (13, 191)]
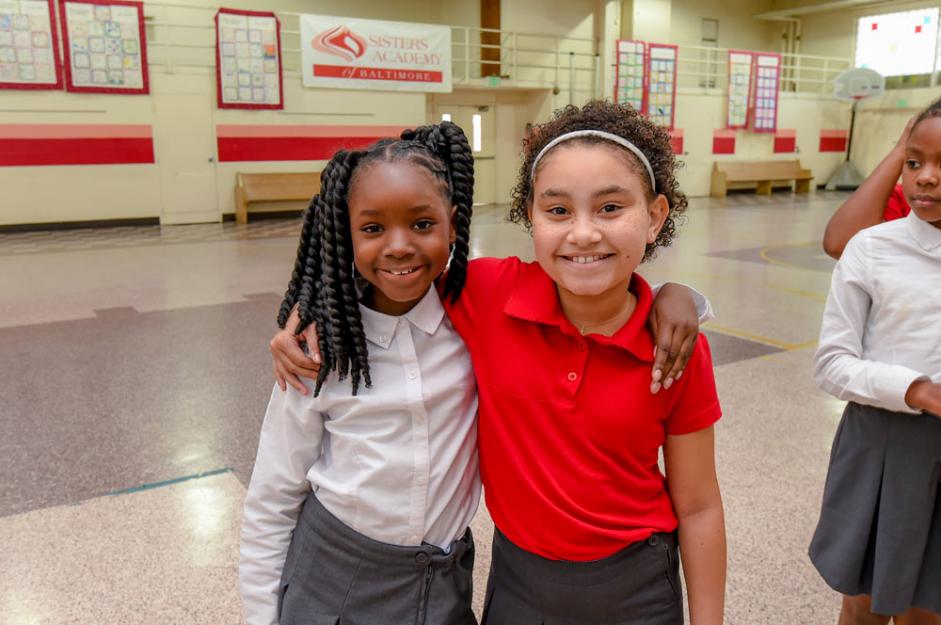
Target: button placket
[(420, 435)]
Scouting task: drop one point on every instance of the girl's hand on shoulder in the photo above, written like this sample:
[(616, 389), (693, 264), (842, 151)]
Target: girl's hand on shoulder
[(289, 361), (924, 395), (674, 322)]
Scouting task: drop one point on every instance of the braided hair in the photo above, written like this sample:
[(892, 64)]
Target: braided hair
[(323, 283), (617, 119), (933, 110)]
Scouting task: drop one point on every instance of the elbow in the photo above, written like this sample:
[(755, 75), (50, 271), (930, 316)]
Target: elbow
[(832, 245)]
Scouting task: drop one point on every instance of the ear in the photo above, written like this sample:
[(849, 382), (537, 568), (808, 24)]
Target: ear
[(657, 212), (452, 235)]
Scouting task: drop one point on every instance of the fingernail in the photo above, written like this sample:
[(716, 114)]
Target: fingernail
[(657, 374), (668, 383), (317, 358), (654, 351), (679, 375), (655, 388)]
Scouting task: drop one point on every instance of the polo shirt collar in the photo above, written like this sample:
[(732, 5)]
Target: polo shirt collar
[(925, 234), (534, 298), (426, 315)]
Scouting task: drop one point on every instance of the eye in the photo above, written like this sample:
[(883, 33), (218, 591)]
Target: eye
[(557, 210), (912, 164), (610, 208), (371, 229), (424, 224)]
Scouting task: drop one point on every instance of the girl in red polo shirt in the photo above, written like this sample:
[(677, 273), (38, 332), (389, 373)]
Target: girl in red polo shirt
[(587, 527)]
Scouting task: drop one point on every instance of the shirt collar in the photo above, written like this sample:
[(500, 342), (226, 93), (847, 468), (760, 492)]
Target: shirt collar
[(534, 298), (426, 315), (925, 234)]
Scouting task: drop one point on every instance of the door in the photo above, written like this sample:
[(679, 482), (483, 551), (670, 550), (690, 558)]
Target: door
[(479, 124), (183, 134)]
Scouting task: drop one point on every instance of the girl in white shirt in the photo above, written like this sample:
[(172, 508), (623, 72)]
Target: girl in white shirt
[(878, 541), (362, 491)]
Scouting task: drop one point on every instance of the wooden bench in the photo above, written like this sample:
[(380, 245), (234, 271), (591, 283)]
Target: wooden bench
[(250, 188), (763, 173)]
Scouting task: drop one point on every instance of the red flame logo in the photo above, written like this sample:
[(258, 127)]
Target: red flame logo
[(340, 41)]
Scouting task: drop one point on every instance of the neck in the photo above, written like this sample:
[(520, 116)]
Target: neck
[(604, 313)]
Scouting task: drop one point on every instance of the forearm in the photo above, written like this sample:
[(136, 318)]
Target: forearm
[(866, 206), (703, 553)]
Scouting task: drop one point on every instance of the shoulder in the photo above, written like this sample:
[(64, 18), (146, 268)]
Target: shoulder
[(897, 206)]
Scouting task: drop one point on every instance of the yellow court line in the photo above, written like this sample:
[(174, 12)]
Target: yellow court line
[(742, 334)]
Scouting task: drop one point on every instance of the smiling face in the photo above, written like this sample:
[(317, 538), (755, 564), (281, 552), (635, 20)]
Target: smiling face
[(921, 174), (401, 228), (592, 217)]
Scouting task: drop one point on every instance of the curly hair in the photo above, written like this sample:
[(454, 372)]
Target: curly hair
[(621, 120), (933, 110), (323, 283)]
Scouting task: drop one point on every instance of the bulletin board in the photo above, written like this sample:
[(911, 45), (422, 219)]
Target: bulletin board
[(661, 83), (248, 60), (631, 72), (740, 85), (767, 79), (29, 46), (105, 46)]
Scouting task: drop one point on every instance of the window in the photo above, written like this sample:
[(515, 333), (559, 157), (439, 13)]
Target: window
[(898, 44), (445, 117), (475, 122)]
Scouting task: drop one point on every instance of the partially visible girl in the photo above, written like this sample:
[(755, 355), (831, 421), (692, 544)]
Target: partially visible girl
[(878, 540)]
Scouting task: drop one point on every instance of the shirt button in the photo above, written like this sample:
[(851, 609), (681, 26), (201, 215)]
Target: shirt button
[(382, 339), (412, 375), (422, 558), (572, 376), (581, 347)]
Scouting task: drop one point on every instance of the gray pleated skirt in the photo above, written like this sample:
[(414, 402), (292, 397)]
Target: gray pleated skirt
[(639, 585), (334, 574), (879, 532)]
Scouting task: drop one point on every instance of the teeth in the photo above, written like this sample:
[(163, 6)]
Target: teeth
[(403, 272), (584, 260)]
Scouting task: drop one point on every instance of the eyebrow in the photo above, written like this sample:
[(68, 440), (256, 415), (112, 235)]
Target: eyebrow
[(414, 209), (611, 190)]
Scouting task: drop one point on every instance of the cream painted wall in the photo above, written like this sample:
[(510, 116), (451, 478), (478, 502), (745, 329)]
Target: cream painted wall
[(700, 111), (737, 26), (572, 18)]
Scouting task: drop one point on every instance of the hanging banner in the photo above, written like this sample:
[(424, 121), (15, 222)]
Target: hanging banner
[(105, 48), (767, 76), (740, 81), (631, 73), (29, 46), (248, 60), (661, 83), (348, 53)]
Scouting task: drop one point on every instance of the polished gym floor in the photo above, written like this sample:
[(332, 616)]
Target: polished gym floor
[(134, 375)]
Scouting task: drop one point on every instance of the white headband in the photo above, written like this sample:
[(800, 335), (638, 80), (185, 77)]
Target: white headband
[(575, 134)]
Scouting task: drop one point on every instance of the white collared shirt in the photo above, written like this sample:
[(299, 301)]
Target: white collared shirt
[(882, 323), (397, 462)]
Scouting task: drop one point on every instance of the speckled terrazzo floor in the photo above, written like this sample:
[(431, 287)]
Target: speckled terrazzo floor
[(126, 368)]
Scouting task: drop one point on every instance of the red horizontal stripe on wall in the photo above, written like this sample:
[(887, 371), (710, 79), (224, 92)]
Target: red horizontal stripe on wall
[(20, 152), (832, 144), (784, 144), (676, 140), (287, 148), (377, 73), (723, 145)]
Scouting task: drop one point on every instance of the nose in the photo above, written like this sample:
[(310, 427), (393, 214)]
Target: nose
[(928, 175), (399, 243), (584, 231)]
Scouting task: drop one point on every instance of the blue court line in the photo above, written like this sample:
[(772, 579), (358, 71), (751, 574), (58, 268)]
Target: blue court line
[(176, 480)]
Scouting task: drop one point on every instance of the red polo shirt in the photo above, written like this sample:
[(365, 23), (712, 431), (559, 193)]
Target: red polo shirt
[(897, 206), (569, 432)]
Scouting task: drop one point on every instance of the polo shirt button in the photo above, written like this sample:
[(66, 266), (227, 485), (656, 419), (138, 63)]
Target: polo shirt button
[(412, 375), (581, 347), (422, 558), (573, 376)]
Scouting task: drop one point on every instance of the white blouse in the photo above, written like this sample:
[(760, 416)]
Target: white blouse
[(397, 462), (882, 323)]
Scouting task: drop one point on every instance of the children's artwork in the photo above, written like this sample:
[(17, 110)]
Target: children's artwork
[(105, 46), (740, 83), (248, 60), (631, 73), (661, 83), (767, 74), (29, 45)]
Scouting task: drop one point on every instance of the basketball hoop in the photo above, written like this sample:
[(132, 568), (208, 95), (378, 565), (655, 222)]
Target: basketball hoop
[(853, 85)]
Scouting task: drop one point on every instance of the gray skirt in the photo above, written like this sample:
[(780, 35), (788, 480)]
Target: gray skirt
[(639, 585), (879, 532), (334, 574)]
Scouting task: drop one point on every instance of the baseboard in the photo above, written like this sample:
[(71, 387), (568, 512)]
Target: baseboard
[(79, 225)]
